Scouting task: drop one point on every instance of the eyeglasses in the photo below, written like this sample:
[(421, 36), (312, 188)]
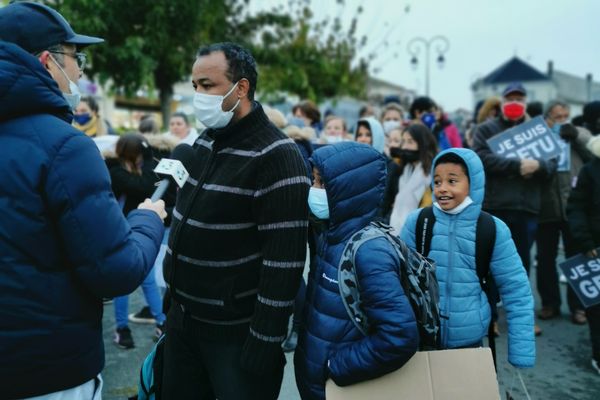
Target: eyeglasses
[(81, 58)]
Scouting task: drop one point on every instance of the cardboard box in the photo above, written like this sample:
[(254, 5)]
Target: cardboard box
[(465, 374)]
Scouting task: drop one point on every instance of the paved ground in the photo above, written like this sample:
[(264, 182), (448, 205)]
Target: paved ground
[(563, 370)]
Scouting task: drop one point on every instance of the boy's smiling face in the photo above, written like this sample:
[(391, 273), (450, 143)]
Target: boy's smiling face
[(450, 185)]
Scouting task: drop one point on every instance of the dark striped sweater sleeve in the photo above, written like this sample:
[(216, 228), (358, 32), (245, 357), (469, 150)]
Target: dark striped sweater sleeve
[(281, 212)]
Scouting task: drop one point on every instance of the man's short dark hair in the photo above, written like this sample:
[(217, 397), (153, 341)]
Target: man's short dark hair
[(182, 116), (240, 62), (453, 158), (421, 104)]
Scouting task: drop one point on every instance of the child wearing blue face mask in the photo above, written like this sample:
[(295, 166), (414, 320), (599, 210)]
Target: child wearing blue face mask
[(458, 188), (349, 184)]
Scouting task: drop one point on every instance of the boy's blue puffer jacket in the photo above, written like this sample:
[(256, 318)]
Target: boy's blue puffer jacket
[(354, 176), (461, 297)]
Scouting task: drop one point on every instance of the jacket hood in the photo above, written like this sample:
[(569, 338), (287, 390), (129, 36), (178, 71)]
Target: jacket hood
[(354, 175), (594, 146), (376, 133), (26, 88), (476, 173)]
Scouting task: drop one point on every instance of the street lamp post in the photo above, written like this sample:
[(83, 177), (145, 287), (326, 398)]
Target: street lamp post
[(414, 47)]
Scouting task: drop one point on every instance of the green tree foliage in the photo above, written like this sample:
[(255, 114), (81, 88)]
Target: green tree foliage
[(151, 44), (313, 59)]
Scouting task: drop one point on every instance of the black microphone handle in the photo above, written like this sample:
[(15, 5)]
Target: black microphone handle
[(160, 190)]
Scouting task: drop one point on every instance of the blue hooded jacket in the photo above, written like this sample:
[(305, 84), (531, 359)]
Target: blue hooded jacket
[(377, 134), (64, 243), (461, 298), (329, 344)]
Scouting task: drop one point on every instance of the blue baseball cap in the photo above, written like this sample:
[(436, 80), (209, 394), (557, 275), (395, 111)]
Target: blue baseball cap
[(35, 27), (515, 87)]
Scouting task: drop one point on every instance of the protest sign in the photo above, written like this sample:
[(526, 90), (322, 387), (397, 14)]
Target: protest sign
[(532, 139), (583, 274)]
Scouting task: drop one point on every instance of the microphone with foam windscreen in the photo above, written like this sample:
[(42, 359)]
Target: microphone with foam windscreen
[(173, 169)]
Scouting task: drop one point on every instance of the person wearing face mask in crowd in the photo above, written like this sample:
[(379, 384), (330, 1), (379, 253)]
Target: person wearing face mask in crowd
[(87, 119), (335, 130), (514, 186), (409, 189), (394, 144), (64, 241), (238, 238), (349, 183), (553, 223), (392, 117), (423, 110)]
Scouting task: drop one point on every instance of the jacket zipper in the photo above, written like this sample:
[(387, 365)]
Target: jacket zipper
[(449, 281), (184, 217)]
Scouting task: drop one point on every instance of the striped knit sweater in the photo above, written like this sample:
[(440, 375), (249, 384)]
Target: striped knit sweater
[(238, 240)]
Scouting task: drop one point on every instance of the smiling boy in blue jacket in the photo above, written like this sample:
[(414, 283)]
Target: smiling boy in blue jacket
[(458, 189)]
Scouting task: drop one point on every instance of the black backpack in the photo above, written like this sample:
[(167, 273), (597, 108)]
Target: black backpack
[(485, 239), (417, 277)]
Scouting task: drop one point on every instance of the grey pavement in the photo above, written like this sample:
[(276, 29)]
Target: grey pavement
[(562, 371)]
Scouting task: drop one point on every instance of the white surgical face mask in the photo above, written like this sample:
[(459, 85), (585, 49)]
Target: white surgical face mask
[(74, 97), (208, 109), (333, 139), (390, 125)]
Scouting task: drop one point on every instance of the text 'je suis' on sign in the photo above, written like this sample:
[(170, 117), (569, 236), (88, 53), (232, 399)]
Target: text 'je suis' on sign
[(532, 139)]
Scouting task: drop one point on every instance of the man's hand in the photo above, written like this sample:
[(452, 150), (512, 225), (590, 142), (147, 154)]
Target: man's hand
[(158, 207), (568, 132), (529, 167), (592, 253)]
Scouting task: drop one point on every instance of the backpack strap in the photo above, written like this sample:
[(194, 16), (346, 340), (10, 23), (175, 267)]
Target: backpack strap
[(348, 283), (424, 230), (485, 240)]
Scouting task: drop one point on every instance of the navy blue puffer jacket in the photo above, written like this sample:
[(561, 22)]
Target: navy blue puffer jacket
[(64, 243), (330, 345)]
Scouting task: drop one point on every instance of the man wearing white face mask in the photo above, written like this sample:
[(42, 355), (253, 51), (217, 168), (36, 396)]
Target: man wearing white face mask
[(63, 238), (238, 241)]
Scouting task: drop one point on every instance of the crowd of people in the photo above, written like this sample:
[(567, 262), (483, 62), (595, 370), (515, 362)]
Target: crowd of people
[(221, 260)]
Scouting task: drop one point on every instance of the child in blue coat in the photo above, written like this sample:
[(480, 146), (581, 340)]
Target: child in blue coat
[(349, 183), (458, 189)]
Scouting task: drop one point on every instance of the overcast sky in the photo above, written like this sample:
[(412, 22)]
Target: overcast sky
[(483, 34)]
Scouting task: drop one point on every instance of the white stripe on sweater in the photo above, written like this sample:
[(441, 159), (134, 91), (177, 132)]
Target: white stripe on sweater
[(265, 338), (250, 153), (219, 227), (284, 264), (284, 182), (275, 303), (204, 143), (228, 189), (214, 263), (283, 225)]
